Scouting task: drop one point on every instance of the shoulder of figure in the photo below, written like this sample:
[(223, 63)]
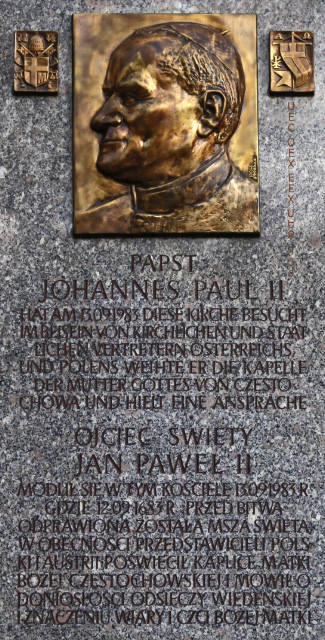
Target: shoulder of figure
[(242, 179), (242, 196), (233, 207)]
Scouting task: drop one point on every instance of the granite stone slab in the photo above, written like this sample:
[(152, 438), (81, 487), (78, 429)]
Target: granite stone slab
[(38, 244)]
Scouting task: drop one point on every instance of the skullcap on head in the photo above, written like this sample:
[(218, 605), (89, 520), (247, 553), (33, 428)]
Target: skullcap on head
[(204, 59), (210, 39)]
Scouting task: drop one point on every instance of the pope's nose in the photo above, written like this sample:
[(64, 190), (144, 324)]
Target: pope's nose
[(107, 116)]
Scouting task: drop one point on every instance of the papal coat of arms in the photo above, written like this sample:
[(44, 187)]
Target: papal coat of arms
[(292, 61), (36, 61)]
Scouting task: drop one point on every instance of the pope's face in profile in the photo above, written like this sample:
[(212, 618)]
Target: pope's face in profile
[(148, 123)]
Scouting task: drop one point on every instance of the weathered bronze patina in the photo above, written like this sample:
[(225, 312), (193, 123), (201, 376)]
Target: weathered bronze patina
[(292, 61), (36, 62), (172, 145)]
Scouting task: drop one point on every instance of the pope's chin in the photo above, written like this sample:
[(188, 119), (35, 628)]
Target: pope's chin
[(112, 158), (116, 165)]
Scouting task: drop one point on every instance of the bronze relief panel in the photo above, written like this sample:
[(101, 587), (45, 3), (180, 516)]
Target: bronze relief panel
[(165, 124)]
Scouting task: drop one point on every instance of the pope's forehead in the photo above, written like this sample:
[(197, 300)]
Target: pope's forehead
[(137, 54)]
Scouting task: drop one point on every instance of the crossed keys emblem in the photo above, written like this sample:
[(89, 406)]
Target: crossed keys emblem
[(291, 61), (35, 61)]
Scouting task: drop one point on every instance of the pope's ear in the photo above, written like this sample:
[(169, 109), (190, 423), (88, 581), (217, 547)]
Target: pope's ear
[(213, 104)]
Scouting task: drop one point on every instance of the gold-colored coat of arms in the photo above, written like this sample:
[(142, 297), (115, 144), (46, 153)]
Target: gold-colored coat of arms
[(36, 61), (292, 61)]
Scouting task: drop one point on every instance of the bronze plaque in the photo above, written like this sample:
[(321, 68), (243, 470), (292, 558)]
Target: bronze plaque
[(292, 61), (36, 62), (165, 124)]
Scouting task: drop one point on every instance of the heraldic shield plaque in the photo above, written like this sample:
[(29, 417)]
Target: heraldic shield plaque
[(165, 124), (292, 61), (36, 62)]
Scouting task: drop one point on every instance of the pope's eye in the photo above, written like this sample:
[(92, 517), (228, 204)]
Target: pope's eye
[(128, 99)]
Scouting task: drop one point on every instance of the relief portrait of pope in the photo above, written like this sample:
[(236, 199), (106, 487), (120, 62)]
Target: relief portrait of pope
[(172, 99)]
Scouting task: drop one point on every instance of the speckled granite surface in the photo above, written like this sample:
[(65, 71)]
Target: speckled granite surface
[(38, 243)]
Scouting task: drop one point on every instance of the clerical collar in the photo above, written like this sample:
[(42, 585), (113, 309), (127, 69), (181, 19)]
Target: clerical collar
[(193, 188)]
